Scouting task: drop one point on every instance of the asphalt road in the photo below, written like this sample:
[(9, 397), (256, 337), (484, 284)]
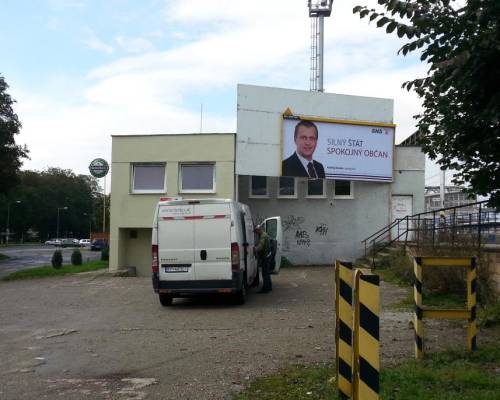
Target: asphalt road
[(93, 336), (23, 257)]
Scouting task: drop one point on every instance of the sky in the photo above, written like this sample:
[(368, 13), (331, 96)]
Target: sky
[(83, 70)]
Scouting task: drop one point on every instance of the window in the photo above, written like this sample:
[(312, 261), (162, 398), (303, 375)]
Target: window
[(197, 178), (316, 188), (287, 188), (272, 228), (343, 190), (148, 178), (258, 186)]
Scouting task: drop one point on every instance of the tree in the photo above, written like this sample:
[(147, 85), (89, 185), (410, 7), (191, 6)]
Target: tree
[(460, 122), (43, 193), (10, 153)]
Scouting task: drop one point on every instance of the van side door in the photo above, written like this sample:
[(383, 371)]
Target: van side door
[(275, 231)]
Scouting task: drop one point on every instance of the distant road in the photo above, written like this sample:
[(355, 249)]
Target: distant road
[(24, 257)]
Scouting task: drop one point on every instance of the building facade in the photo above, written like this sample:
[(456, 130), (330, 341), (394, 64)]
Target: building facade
[(146, 168), (325, 220)]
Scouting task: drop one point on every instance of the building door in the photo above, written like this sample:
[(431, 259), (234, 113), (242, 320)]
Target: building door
[(401, 206)]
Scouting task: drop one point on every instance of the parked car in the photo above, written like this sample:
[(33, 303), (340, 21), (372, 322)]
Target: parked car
[(84, 243), (98, 244), (53, 242), (69, 242)]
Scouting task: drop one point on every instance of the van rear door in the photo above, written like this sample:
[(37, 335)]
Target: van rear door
[(176, 242), (212, 241), (273, 228)]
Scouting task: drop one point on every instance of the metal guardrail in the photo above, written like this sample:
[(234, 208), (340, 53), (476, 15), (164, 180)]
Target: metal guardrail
[(429, 225), (468, 314)]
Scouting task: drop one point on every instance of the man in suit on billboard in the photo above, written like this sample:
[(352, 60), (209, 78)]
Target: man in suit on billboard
[(301, 163)]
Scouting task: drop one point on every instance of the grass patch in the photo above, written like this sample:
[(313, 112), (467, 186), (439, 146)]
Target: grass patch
[(299, 382), (449, 375), (48, 270), (489, 315)]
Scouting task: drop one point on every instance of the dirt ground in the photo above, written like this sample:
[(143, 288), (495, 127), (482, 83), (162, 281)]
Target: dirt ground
[(92, 336)]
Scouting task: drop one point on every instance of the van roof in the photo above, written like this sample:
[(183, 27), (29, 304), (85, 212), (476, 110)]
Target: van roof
[(194, 201)]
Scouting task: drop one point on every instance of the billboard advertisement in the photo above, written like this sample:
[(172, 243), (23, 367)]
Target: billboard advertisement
[(337, 149)]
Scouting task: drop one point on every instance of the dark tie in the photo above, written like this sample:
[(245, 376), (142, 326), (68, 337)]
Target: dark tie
[(311, 171)]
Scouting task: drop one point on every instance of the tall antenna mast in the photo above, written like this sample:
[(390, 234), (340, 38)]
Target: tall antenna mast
[(318, 10)]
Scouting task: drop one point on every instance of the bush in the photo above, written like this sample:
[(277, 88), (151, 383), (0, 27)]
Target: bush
[(105, 254), (76, 257), (285, 262), (57, 259)]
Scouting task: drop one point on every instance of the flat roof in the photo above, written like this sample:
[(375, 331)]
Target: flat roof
[(172, 134)]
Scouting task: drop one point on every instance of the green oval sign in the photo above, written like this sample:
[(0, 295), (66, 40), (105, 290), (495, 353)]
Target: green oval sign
[(99, 168)]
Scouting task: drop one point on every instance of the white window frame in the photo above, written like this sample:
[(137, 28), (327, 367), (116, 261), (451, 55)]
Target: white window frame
[(345, 197), (287, 196), (147, 191), (315, 196), (258, 196), (181, 190)]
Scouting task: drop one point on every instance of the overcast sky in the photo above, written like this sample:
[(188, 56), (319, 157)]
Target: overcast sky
[(82, 70)]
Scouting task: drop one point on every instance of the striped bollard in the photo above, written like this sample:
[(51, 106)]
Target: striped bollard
[(366, 341), (417, 320), (471, 305), (343, 332)]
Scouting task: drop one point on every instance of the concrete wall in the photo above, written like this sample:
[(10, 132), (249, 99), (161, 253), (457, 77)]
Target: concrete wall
[(132, 211), (317, 231), (409, 175)]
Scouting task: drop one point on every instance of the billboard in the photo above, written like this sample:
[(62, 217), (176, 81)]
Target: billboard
[(337, 149)]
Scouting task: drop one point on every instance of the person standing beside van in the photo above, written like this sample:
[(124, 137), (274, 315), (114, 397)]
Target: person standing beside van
[(262, 250)]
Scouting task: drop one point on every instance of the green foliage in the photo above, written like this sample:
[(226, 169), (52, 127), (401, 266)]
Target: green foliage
[(11, 154), (48, 271), (42, 193), (444, 376), (76, 257), (300, 382), (105, 254), (489, 315), (460, 124), (396, 268), (57, 259), (285, 262)]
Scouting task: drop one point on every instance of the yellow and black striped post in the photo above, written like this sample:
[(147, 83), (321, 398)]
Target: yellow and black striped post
[(417, 319), (471, 305), (468, 314), (343, 331), (366, 336)]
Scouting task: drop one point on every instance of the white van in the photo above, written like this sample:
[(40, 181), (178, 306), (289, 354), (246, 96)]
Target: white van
[(206, 246)]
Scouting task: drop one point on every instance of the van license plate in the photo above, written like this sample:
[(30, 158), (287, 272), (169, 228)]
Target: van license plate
[(176, 268)]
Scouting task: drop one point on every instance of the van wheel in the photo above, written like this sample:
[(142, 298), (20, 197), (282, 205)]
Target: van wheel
[(241, 296), (256, 279), (165, 299)]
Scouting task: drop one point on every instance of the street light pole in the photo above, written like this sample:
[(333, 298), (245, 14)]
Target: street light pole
[(8, 218), (58, 209)]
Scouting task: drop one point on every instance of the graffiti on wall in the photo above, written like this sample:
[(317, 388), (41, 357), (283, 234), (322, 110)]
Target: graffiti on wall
[(302, 238), (292, 223), (322, 229)]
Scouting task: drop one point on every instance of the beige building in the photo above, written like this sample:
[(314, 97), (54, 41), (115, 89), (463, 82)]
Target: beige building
[(148, 167)]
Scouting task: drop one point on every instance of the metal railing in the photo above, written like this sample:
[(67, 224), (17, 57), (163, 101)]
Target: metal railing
[(437, 226)]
